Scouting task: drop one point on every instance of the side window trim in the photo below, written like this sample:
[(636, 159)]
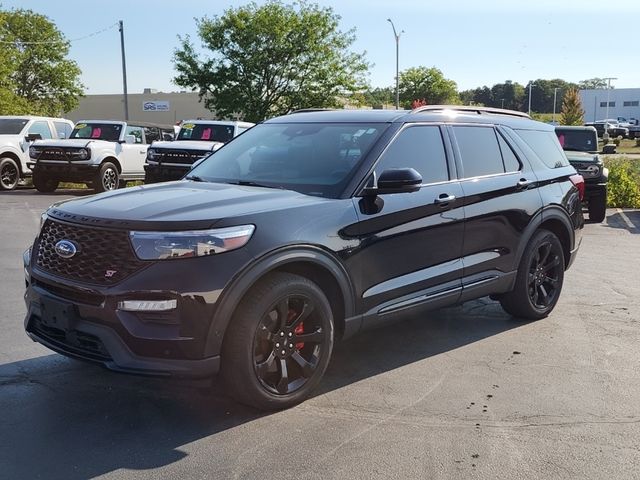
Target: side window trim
[(506, 142)]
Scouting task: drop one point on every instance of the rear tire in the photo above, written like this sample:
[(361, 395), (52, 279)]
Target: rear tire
[(598, 208), (539, 278), (9, 173), (107, 178), (279, 342), (43, 183)]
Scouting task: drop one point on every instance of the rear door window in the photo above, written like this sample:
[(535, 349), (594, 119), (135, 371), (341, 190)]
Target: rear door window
[(479, 150), (546, 147), (41, 128), (63, 129)]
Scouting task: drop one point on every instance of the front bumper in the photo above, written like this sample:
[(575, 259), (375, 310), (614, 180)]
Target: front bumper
[(164, 173), (70, 171), (84, 321)]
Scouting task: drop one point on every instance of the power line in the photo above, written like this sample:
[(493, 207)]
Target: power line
[(98, 32)]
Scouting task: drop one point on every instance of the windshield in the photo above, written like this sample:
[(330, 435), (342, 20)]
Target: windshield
[(311, 158), (97, 131), (578, 140), (206, 132), (12, 126)]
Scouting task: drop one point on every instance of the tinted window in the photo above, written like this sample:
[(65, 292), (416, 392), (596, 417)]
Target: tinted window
[(63, 129), (577, 140), (206, 132), (419, 147), (511, 163), (480, 151), (12, 126), (41, 128), (97, 131), (546, 147)]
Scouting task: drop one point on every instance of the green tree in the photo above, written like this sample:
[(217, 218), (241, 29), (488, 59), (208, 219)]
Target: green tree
[(592, 83), (428, 84), (379, 97), (36, 77), (572, 112), (267, 60)]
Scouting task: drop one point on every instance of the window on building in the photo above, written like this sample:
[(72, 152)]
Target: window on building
[(631, 103), (604, 104)]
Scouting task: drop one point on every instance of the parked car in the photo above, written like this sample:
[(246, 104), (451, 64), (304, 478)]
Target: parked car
[(16, 135), (196, 139), (306, 229), (613, 129), (580, 144), (103, 154)]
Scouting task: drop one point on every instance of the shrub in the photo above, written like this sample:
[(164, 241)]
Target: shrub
[(624, 183)]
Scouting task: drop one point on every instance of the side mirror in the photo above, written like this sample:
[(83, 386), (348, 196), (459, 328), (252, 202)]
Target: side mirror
[(167, 137), (396, 180), (130, 139), (32, 137)]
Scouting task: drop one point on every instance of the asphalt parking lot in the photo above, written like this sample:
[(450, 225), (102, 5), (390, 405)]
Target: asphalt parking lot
[(464, 393)]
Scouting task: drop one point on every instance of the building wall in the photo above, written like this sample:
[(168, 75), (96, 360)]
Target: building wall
[(179, 106), (623, 102)]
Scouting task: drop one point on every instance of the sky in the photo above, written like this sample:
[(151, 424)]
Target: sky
[(473, 42)]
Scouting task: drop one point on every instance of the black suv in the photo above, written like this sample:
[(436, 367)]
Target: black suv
[(306, 229), (581, 147)]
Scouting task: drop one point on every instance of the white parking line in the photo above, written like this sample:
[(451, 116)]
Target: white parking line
[(626, 219)]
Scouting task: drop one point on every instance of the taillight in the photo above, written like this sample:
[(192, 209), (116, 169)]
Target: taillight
[(578, 181)]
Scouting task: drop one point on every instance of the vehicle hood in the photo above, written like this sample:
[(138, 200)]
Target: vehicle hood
[(75, 142), (178, 205), (582, 157), (187, 145)]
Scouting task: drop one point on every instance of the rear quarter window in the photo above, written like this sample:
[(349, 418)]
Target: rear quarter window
[(546, 146)]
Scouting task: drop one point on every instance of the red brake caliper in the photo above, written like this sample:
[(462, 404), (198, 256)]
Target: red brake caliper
[(299, 330)]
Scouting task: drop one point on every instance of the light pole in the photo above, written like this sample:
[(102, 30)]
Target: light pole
[(397, 37), (530, 86), (124, 73), (608, 79), (555, 93), (502, 103)]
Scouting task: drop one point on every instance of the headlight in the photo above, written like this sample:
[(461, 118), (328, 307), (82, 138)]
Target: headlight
[(43, 218), (151, 154), (34, 152), (83, 153), (195, 243)]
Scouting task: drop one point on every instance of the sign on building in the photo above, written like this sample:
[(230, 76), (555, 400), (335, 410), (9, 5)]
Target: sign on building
[(155, 106)]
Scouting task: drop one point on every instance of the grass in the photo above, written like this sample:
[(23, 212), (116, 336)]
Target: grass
[(628, 146)]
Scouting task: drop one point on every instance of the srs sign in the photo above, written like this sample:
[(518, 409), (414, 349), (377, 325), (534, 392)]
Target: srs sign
[(155, 106)]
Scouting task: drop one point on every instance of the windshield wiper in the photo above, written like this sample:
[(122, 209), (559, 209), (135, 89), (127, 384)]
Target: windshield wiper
[(250, 183), (194, 178)]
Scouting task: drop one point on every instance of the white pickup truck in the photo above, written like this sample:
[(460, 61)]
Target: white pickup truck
[(197, 138), (103, 154), (16, 135)]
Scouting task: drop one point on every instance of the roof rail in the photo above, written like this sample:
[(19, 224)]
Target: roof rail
[(471, 109), (303, 110)]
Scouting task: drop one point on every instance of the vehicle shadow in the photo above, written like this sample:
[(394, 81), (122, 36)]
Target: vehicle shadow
[(630, 221), (61, 192), (66, 419)]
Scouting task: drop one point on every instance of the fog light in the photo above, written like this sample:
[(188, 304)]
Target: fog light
[(147, 305)]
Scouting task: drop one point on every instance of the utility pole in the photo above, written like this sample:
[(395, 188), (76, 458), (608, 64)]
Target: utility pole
[(124, 73), (502, 103), (555, 93), (608, 79), (530, 86), (397, 37)]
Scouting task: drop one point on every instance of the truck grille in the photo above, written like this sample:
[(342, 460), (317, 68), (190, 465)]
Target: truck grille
[(103, 257), (72, 341), (51, 153), (185, 157)]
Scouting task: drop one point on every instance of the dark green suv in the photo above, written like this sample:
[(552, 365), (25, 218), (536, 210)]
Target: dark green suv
[(580, 144)]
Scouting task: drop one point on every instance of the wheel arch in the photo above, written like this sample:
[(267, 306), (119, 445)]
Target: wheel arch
[(113, 160), (15, 158), (308, 261)]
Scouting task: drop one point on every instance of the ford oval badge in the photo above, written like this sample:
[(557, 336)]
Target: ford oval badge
[(66, 248)]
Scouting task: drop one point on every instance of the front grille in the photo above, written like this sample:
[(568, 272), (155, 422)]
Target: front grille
[(185, 157), (103, 256), (73, 294), (71, 341)]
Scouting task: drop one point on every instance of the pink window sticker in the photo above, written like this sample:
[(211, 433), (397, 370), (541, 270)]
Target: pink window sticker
[(561, 139), (96, 132), (206, 134)]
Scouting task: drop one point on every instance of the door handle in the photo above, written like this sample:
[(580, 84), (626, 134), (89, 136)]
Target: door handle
[(444, 199), (523, 184), (143, 151)]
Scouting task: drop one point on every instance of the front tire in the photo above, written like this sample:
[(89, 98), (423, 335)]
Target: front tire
[(598, 208), (279, 342), (9, 173), (43, 183), (107, 178), (539, 278)]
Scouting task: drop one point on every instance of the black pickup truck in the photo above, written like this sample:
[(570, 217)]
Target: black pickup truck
[(580, 144)]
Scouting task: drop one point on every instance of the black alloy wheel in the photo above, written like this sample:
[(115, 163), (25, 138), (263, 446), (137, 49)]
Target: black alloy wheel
[(539, 278), (544, 276), (279, 342), (288, 345), (9, 174)]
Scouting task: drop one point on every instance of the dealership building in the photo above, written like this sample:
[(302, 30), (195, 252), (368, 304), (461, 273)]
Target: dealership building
[(149, 106), (622, 102)]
